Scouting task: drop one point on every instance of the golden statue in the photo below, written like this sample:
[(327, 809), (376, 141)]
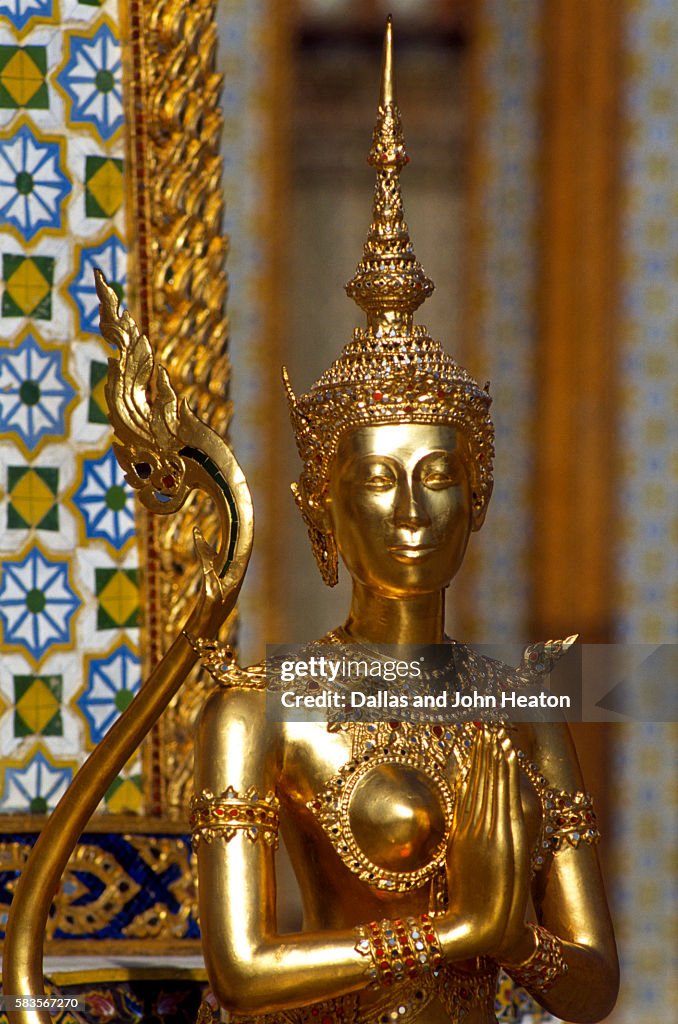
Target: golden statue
[(429, 855)]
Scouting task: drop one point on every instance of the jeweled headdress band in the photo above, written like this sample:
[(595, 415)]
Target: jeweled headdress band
[(392, 371)]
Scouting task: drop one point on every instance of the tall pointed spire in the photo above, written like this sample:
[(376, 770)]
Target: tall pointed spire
[(387, 95), (389, 282)]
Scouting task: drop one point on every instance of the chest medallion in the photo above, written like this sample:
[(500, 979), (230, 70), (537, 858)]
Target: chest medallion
[(388, 811)]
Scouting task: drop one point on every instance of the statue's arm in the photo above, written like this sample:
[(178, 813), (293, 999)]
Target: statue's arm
[(252, 967), (570, 902)]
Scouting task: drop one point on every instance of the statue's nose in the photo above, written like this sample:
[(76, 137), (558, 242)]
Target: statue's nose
[(409, 509)]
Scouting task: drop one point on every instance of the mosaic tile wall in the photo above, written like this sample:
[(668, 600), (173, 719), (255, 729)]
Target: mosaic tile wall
[(69, 587), (646, 825)]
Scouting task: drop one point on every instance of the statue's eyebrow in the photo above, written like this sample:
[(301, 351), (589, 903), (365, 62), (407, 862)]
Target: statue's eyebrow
[(444, 453), (364, 457)]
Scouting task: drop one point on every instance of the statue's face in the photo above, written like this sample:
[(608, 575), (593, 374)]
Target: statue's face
[(400, 506)]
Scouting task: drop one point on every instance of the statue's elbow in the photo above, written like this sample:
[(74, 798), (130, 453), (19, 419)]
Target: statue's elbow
[(237, 987), (608, 986), (609, 991), (601, 991)]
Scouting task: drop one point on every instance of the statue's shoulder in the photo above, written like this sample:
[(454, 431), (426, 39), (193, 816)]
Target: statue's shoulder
[(220, 661)]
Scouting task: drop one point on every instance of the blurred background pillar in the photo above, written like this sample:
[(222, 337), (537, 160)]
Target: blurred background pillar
[(645, 525), (499, 268), (256, 54), (577, 306)]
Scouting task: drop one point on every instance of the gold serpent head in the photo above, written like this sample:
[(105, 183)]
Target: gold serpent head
[(392, 371)]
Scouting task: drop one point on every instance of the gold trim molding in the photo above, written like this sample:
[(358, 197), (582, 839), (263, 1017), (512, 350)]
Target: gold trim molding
[(177, 263)]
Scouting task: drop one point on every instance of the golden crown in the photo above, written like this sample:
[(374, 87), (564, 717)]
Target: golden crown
[(392, 371)]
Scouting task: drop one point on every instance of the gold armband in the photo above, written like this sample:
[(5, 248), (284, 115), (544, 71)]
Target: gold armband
[(570, 819), (223, 816), (544, 966), (396, 950)]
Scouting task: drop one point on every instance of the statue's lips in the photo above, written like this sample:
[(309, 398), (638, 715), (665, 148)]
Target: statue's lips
[(411, 552)]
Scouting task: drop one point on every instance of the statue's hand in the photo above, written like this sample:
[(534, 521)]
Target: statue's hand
[(517, 941), (480, 863)]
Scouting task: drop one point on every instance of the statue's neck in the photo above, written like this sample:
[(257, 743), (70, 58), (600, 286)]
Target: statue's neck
[(376, 618)]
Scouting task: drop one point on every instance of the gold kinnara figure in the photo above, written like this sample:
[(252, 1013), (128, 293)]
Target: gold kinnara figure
[(430, 856)]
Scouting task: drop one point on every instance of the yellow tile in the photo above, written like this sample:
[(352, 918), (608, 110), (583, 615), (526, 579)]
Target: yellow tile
[(21, 78), (37, 706), (32, 498), (27, 287), (98, 394), (126, 799), (106, 186), (119, 598)]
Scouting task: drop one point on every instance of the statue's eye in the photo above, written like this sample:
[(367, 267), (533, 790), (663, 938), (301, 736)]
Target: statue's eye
[(438, 480), (438, 477), (379, 480)]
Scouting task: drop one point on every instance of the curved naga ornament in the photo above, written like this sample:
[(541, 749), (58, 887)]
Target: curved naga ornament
[(167, 452)]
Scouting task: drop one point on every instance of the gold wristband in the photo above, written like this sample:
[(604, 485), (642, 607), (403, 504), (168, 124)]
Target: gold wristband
[(544, 966), (224, 816), (399, 949)]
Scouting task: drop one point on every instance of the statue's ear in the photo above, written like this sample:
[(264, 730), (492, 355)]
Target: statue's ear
[(480, 499), (316, 515), (319, 510)]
